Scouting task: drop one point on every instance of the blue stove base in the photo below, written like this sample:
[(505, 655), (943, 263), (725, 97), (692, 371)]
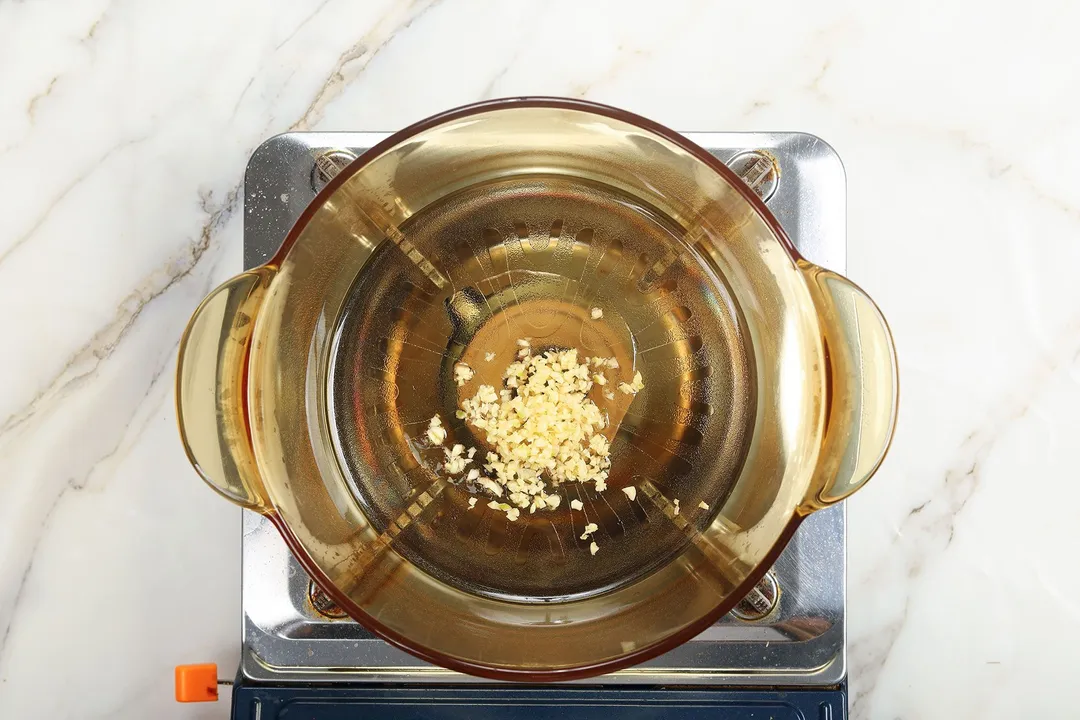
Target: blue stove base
[(566, 702)]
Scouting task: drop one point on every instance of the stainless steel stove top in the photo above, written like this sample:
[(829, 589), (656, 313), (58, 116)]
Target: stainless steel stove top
[(801, 641)]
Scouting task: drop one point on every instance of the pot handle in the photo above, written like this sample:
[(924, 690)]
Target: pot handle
[(210, 389), (861, 387)]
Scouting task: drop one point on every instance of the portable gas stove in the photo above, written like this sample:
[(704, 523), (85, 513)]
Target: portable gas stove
[(780, 654)]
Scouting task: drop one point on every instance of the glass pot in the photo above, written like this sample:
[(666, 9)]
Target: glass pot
[(305, 386)]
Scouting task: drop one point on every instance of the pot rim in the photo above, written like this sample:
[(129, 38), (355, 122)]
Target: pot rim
[(501, 672)]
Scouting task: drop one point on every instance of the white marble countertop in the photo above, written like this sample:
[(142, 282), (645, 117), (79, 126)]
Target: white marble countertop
[(124, 131)]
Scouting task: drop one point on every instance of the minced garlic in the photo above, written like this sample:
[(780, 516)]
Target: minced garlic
[(512, 513), (703, 505), (436, 433), (542, 422), (633, 387), (491, 486), (462, 373), (455, 459), (596, 313), (541, 427)]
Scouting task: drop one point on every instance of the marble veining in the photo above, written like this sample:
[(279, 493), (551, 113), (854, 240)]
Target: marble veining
[(124, 131)]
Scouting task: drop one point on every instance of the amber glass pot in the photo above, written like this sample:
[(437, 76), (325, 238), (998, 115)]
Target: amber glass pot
[(305, 386)]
